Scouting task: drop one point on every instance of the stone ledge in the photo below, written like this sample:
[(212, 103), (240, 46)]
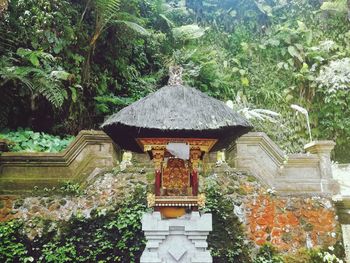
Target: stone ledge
[(20, 172), (308, 172)]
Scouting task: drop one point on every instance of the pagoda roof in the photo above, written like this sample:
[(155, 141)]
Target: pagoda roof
[(175, 111)]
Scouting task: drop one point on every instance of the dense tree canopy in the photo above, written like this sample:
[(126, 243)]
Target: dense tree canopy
[(67, 64)]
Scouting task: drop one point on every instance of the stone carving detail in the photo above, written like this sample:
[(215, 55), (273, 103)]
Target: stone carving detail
[(177, 252), (181, 240)]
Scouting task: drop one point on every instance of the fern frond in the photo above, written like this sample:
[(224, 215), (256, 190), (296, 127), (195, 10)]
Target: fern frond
[(50, 91)]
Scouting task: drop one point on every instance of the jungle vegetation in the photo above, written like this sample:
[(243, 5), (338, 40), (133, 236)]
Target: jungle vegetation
[(67, 64)]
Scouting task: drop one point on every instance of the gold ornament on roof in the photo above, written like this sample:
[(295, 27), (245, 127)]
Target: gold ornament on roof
[(175, 75)]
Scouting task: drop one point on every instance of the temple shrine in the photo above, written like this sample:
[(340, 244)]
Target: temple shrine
[(177, 126)]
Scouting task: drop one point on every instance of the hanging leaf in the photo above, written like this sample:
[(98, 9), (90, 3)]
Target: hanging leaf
[(74, 94), (34, 59), (308, 37), (295, 53)]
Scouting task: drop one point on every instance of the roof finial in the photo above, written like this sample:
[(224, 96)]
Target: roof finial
[(175, 75)]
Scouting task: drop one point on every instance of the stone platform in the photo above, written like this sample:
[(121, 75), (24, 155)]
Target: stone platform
[(181, 240)]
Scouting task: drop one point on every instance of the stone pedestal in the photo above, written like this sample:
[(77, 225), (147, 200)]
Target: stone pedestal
[(181, 240)]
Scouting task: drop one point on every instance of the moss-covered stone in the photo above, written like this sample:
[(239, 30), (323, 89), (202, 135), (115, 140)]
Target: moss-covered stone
[(18, 203)]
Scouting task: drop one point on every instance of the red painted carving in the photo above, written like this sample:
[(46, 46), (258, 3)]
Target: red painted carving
[(175, 177)]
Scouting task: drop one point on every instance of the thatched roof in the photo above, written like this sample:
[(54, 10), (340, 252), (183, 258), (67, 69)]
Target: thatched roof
[(175, 111)]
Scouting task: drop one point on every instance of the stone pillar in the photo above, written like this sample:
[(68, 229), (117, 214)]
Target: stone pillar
[(180, 240), (323, 150)]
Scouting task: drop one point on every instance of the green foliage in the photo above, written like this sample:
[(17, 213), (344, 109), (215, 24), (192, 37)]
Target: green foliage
[(268, 254), (226, 241), (71, 188), (315, 255), (12, 247), (25, 140)]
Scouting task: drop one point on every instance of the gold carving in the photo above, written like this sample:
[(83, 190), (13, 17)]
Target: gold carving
[(148, 144), (175, 177), (201, 201), (151, 200), (195, 157), (158, 156)]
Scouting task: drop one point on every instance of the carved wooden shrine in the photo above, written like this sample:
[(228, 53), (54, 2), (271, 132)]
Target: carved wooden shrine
[(176, 180)]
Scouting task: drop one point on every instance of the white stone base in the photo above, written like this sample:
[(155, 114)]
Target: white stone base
[(180, 240)]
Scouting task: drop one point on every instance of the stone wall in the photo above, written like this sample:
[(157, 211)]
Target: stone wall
[(288, 222), (22, 172), (285, 200)]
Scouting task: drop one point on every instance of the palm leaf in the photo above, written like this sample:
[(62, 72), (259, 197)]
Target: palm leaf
[(107, 9), (168, 22), (37, 81), (135, 27)]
